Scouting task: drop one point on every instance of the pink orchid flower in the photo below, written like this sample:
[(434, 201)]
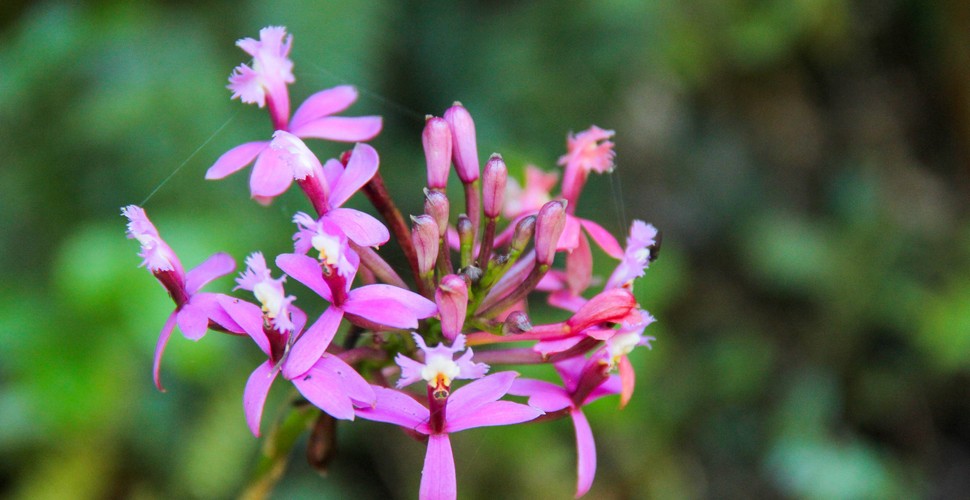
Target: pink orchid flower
[(377, 306), (266, 82), (193, 309), (322, 378), (584, 381), (474, 405)]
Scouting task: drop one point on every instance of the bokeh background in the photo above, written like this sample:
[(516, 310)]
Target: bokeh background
[(806, 160)]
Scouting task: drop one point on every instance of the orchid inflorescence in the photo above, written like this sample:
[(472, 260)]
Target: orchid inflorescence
[(470, 279)]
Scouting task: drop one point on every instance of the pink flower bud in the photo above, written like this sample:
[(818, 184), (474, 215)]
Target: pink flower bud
[(610, 306), (495, 178), (437, 206), (452, 299), (437, 142), (549, 226), (523, 233), (516, 322), (424, 235), (465, 149)]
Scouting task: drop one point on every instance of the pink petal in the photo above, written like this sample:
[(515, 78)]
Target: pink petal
[(215, 311), (360, 169), (628, 379), (361, 228), (217, 265), (389, 305), (341, 128), (493, 413), (579, 267), (254, 397), (612, 385), (193, 321), (235, 159), (546, 396), (271, 175), (324, 391), (312, 343), (323, 103), (603, 238), (350, 382), (306, 270), (469, 398), (585, 453), (569, 238), (547, 347), (249, 317), (395, 407), (438, 476), (160, 348)]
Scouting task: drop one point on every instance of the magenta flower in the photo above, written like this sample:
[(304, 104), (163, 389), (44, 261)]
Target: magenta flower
[(439, 368), (193, 309), (330, 243), (322, 378), (268, 291), (265, 82), (587, 151), (474, 405), (376, 306), (584, 381), (333, 184)]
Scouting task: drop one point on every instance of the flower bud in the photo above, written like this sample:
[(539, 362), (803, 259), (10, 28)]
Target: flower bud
[(465, 150), (437, 206), (550, 223), (452, 299), (466, 238), (437, 142), (516, 322), (611, 306), (523, 233), (495, 178), (424, 235)]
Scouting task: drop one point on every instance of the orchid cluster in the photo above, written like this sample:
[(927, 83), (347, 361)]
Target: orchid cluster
[(461, 313)]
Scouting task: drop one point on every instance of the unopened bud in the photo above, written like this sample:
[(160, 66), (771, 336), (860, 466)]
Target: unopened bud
[(437, 206), (452, 300), (466, 238), (550, 223), (494, 179), (424, 235), (437, 142), (523, 233), (465, 147), (516, 322)]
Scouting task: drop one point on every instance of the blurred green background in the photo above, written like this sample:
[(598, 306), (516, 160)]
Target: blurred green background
[(807, 161)]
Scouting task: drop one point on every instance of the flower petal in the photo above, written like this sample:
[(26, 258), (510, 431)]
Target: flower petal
[(543, 395), (389, 305), (493, 413), (360, 169), (469, 398), (628, 380), (341, 128), (249, 317), (585, 453), (396, 407), (438, 476), (235, 159), (603, 238), (312, 343), (271, 175), (350, 382), (325, 392), (219, 264), (361, 228), (192, 320), (254, 397), (323, 103), (160, 348), (306, 270)]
